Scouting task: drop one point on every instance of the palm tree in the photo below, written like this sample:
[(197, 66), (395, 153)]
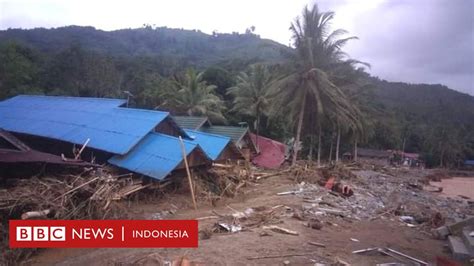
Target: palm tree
[(252, 93), (317, 54), (194, 96)]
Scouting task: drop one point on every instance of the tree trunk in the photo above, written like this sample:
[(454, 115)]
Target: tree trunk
[(298, 130), (338, 141), (441, 163), (310, 154), (319, 146), (330, 147), (403, 145), (257, 129), (355, 150)]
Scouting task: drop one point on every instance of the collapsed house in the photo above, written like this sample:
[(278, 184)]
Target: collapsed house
[(16, 154), (272, 153), (143, 141)]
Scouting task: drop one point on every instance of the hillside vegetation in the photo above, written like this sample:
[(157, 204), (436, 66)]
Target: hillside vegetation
[(153, 65)]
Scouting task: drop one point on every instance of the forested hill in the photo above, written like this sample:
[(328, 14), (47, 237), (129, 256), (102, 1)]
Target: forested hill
[(194, 47), (82, 61), (432, 103)]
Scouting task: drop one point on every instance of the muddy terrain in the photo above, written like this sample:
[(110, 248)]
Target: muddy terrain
[(322, 226)]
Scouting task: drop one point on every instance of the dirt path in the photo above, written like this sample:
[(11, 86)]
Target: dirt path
[(457, 186)]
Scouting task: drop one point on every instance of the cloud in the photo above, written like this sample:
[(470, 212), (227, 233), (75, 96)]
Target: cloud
[(424, 41)]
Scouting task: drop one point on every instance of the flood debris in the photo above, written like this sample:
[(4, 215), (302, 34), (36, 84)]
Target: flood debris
[(460, 238), (90, 194), (392, 253), (281, 230), (317, 244), (278, 256), (230, 227)]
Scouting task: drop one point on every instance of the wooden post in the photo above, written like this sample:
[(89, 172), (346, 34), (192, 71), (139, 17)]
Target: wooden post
[(183, 149)]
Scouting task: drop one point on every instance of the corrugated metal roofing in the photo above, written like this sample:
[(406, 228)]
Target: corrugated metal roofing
[(191, 122), (213, 145), (74, 119), (155, 156), (66, 102), (235, 133)]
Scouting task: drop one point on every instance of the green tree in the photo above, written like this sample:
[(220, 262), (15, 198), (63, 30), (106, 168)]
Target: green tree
[(194, 96), (252, 94), (309, 85), (78, 72), (221, 78), (18, 70)]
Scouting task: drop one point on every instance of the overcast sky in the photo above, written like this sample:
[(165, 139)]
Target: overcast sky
[(417, 41)]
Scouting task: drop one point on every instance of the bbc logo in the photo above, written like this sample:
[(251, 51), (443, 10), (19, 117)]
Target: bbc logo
[(41, 233)]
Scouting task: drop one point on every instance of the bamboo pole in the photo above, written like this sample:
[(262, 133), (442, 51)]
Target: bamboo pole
[(183, 149)]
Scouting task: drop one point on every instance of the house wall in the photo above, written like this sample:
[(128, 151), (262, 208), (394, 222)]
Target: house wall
[(195, 159), (60, 147), (229, 153), (167, 127)]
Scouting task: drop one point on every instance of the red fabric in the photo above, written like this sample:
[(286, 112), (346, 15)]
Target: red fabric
[(330, 183), (272, 153)]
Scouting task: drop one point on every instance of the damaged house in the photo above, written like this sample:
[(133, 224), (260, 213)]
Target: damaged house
[(142, 141), (240, 136), (268, 153)]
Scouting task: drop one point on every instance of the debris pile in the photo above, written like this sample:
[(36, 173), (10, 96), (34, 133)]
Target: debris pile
[(370, 195), (92, 194), (251, 218), (222, 180)]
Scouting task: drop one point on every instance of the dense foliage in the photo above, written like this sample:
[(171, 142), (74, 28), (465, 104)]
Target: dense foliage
[(189, 72)]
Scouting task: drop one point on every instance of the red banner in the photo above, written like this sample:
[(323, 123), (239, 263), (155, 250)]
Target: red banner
[(103, 233)]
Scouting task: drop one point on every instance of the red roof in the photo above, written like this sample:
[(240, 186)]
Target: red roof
[(272, 153)]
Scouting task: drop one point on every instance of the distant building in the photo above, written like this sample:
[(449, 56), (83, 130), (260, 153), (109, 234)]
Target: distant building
[(469, 164), (369, 155)]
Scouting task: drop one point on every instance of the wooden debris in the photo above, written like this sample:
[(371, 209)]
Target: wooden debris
[(333, 211), (281, 230), (226, 166), (273, 174), (279, 256), (207, 218), (78, 155), (35, 214), (317, 244), (85, 196)]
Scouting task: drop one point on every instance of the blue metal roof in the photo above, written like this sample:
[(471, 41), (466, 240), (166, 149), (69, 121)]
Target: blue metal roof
[(74, 119), (469, 162), (155, 156), (212, 144), (65, 102)]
